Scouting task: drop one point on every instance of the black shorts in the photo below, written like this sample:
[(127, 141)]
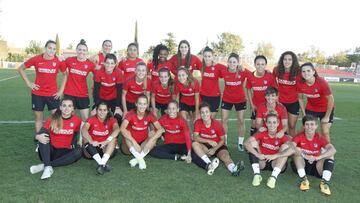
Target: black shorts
[(38, 102), (321, 115), (79, 102), (269, 167), (292, 108), (218, 150), (238, 106), (214, 102), (130, 106), (187, 108), (173, 148), (162, 107), (310, 169), (253, 115), (100, 151)]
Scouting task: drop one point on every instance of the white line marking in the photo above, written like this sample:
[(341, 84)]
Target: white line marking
[(16, 76)]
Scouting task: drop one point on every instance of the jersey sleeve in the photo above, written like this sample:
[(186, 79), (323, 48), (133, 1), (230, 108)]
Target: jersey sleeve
[(325, 88), (258, 136), (31, 62), (78, 125), (260, 111), (197, 126), (47, 123), (118, 77), (285, 139), (323, 141), (296, 139), (151, 118), (197, 63), (219, 129)]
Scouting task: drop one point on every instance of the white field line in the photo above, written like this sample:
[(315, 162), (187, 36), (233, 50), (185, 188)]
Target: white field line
[(16, 76), (26, 122)]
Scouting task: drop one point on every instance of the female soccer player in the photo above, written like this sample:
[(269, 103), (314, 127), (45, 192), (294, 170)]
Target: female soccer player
[(161, 92), (209, 140), (272, 105), (128, 65), (100, 134), (310, 159), (177, 141), (320, 101), (76, 89), (256, 84), (137, 140), (159, 60), (57, 140), (287, 73), (234, 77), (267, 151), (187, 93), (108, 85), (135, 87), (44, 90), (185, 58), (99, 59), (210, 89)]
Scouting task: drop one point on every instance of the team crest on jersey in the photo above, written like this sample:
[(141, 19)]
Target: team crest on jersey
[(85, 66), (190, 89), (212, 131), (239, 76), (213, 68), (95, 125), (315, 145), (276, 142), (265, 82), (106, 126), (176, 126), (114, 78), (54, 64), (145, 122), (316, 90), (71, 124)]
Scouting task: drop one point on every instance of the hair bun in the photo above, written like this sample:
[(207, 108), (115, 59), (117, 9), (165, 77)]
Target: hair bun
[(82, 41)]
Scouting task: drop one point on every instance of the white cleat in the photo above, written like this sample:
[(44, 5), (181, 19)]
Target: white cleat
[(48, 171), (133, 162), (212, 166), (142, 164), (36, 168)]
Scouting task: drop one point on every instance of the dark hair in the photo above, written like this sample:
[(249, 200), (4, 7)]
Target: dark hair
[(260, 57), (107, 40), (111, 56), (271, 114), (237, 57), (170, 83), (187, 57), (50, 42), (155, 58), (271, 90), (135, 45), (308, 117), (56, 118), (190, 78), (206, 49), (82, 42), (203, 105), (108, 115), (294, 69), (312, 66)]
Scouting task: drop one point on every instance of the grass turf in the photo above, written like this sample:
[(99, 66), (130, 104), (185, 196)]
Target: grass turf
[(164, 180)]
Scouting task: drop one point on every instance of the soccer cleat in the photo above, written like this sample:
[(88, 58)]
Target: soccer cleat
[(100, 170), (36, 168), (212, 166), (324, 187), (304, 184), (48, 171), (239, 167), (107, 168), (142, 164), (240, 147), (256, 180), (133, 162), (271, 182)]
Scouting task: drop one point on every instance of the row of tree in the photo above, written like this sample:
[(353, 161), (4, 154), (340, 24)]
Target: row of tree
[(226, 43)]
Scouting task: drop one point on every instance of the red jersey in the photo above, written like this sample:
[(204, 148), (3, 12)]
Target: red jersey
[(210, 80), (134, 89), (162, 94), (259, 85), (64, 138), (315, 94), (98, 130), (101, 61), (286, 87), (234, 86), (281, 112), (139, 127), (187, 92), (108, 83), (310, 147), (46, 72), (128, 67), (155, 73), (176, 131), (195, 63), (214, 132), (76, 84), (269, 145)]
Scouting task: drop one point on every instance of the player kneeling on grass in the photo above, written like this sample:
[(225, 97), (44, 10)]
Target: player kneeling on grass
[(309, 158), (177, 141), (268, 152), (57, 140), (100, 133), (137, 140), (209, 140)]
